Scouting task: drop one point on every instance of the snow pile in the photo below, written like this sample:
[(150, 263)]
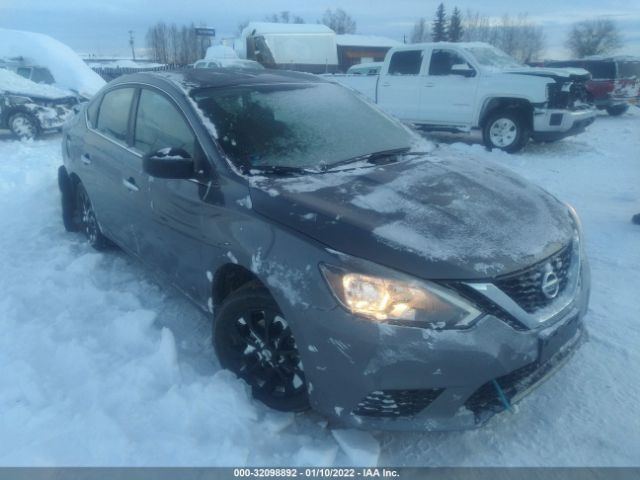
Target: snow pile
[(67, 68), (13, 83)]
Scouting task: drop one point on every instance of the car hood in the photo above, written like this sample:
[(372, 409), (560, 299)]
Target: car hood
[(555, 73), (435, 218)]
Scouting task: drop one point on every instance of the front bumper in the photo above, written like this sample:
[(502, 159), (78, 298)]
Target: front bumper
[(431, 380), (561, 122)]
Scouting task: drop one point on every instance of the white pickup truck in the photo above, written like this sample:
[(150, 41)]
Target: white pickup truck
[(465, 86)]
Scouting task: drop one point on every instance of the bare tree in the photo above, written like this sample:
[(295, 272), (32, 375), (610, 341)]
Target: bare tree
[(339, 21), (420, 32), (594, 37), (284, 17), (518, 36), (177, 45)]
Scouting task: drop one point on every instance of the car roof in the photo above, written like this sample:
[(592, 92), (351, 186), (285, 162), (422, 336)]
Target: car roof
[(195, 79)]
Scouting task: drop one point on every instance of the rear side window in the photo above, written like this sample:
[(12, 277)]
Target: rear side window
[(601, 70), (406, 63), (159, 124), (113, 117)]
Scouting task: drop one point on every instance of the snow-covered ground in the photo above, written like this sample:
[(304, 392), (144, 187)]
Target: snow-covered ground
[(102, 364)]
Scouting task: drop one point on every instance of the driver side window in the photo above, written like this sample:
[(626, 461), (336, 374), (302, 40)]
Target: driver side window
[(447, 62), (159, 125)]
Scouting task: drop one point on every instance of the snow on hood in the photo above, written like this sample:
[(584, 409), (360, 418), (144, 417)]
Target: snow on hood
[(67, 68), (550, 72), (13, 83), (444, 218)]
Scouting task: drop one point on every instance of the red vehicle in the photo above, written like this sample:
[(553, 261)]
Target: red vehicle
[(615, 81)]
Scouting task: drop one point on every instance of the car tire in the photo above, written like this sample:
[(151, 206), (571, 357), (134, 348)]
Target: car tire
[(617, 110), (506, 130), (24, 126), (85, 219), (252, 339), (67, 200)]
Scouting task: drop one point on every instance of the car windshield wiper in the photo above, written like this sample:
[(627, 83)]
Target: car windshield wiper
[(279, 170), (373, 157)]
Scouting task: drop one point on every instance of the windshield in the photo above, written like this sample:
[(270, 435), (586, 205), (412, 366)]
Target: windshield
[(308, 126), (492, 57)]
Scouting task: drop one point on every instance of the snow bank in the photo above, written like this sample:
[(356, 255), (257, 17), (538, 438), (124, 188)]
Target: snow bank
[(13, 83), (65, 65)]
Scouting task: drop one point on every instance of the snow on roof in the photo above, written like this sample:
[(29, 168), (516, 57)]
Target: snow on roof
[(13, 83), (284, 28), (365, 41), (67, 68), (220, 51)]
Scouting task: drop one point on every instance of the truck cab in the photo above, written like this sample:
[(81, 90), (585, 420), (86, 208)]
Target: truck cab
[(465, 86)]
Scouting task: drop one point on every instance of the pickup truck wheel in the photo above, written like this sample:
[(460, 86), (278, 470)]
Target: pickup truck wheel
[(24, 126), (506, 130), (617, 110), (253, 340), (85, 218)]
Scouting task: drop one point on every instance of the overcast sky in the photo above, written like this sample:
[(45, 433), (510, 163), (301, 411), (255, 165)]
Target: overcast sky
[(100, 26)]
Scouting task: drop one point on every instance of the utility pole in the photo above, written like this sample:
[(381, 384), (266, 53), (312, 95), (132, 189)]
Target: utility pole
[(131, 44)]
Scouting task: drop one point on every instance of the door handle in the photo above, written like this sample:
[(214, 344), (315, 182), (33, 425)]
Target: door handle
[(86, 159), (430, 85), (130, 184)]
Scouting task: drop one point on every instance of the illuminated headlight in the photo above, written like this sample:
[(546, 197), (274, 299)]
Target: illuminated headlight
[(413, 303)]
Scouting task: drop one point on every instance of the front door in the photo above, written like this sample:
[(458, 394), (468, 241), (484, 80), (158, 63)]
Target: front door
[(449, 89)]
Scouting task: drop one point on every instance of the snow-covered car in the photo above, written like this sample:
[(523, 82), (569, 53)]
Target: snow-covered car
[(464, 86), (46, 60), (345, 265), (28, 109)]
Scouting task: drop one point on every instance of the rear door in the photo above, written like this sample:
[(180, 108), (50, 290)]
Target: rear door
[(448, 89), (399, 87), (111, 171)]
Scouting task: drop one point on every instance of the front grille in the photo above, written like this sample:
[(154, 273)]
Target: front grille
[(525, 287), (396, 403), (486, 398)]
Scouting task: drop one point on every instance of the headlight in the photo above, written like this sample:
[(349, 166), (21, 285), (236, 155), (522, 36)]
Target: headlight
[(399, 301), (18, 100), (577, 228)]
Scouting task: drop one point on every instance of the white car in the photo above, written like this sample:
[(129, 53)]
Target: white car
[(464, 86)]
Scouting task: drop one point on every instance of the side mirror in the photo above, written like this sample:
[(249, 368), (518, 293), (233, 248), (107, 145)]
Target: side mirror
[(173, 163), (463, 70)]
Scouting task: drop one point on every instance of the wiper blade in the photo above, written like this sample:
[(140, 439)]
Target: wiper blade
[(374, 157), (280, 170)]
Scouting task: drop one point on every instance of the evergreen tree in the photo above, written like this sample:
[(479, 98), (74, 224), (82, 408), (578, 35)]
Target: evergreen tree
[(455, 26), (439, 31)]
